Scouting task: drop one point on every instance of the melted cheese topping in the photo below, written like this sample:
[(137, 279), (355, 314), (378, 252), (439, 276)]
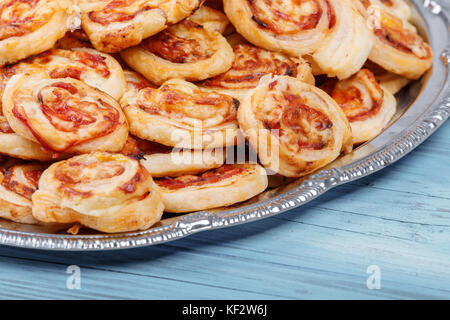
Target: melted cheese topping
[(22, 179), (74, 39), (97, 183), (250, 65), (63, 113), (288, 17), (188, 105), (360, 96), (186, 42), (105, 12), (20, 17), (119, 11), (222, 175), (394, 32), (137, 148), (88, 65), (299, 125), (136, 82)]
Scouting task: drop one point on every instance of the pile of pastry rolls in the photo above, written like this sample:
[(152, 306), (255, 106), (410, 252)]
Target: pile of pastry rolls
[(115, 111)]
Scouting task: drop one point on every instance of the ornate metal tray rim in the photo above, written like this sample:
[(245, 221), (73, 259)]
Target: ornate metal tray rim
[(312, 187)]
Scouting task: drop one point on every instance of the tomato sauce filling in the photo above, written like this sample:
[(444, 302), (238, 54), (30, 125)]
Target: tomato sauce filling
[(394, 34), (209, 177), (68, 113), (269, 15), (25, 190), (18, 18), (387, 3), (351, 101), (173, 48), (73, 173), (250, 65), (297, 120), (171, 102), (113, 12), (92, 61), (95, 62), (137, 148), (137, 82)]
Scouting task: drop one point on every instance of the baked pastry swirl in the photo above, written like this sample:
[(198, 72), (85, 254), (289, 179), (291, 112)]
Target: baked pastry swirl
[(331, 30), (74, 39), (183, 51), (161, 160), (390, 81), (397, 47), (398, 8), (63, 115), (294, 127), (114, 25), (250, 65), (30, 27), (13, 145), (135, 81), (179, 114), (348, 44), (103, 191), (210, 19), (293, 27), (94, 68), (368, 106), (17, 185), (219, 187)]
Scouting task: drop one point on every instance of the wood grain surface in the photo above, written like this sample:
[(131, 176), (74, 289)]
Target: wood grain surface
[(397, 219)]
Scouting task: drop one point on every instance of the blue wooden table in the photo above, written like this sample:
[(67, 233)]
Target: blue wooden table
[(385, 236)]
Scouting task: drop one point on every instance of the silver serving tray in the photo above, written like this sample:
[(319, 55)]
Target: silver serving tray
[(423, 106)]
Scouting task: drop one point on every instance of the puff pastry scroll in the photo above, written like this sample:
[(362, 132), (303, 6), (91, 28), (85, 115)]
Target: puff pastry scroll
[(210, 19), (74, 39), (63, 115), (398, 8), (179, 114), (397, 47), (333, 31), (136, 82), (161, 160), (13, 145), (103, 191), (17, 185), (368, 106), (223, 186), (94, 68), (184, 51), (390, 81), (114, 25), (348, 43), (30, 27), (294, 127), (251, 64)]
